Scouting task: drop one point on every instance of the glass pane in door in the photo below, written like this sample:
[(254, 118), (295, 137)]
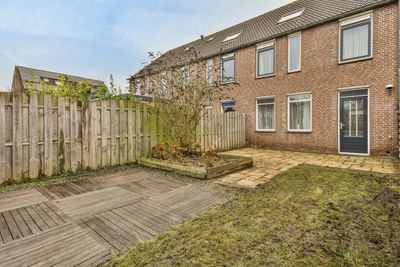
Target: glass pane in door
[(353, 118)]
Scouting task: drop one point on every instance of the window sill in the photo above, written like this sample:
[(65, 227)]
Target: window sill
[(300, 131), (355, 60), (294, 71), (266, 76), (224, 83), (264, 131)]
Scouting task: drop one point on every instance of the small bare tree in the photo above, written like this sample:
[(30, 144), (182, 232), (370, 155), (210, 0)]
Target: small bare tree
[(181, 92)]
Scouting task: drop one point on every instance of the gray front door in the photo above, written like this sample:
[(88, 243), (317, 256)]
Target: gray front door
[(354, 122)]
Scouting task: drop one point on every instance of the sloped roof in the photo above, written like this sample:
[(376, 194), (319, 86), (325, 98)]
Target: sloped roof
[(26, 75), (261, 29)]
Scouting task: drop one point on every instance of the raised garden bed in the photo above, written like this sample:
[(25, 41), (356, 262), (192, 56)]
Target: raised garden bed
[(230, 164)]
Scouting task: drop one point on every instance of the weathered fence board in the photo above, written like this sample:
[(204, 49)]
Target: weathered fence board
[(45, 135)]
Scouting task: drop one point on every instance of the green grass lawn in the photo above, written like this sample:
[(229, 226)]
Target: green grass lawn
[(306, 216)]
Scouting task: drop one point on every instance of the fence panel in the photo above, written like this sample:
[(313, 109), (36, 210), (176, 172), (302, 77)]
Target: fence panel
[(45, 135)]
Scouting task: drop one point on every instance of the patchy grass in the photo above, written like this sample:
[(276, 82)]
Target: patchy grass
[(12, 185), (307, 216)]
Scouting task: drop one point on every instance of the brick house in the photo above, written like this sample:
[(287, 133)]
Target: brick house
[(23, 74), (314, 75)]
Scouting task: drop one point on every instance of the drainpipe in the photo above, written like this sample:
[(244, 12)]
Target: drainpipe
[(398, 69)]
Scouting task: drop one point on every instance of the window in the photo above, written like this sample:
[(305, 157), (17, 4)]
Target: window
[(228, 106), (299, 110), (266, 59), (231, 37), (356, 38), (138, 85), (210, 71), (291, 16), (265, 114), (163, 82), (295, 52), (228, 68), (146, 91), (185, 72)]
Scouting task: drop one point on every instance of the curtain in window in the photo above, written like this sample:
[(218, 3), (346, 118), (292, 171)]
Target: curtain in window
[(266, 117), (356, 42), (295, 46), (228, 70), (266, 60), (300, 116)]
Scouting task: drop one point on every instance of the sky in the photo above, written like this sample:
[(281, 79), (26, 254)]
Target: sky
[(96, 38)]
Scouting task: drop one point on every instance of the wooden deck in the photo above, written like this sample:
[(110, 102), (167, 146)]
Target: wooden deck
[(85, 223)]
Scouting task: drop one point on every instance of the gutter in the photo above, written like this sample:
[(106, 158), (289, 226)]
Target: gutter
[(320, 22)]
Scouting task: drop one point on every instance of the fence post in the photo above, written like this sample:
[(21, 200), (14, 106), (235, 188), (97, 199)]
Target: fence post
[(92, 134), (131, 147), (138, 137), (3, 177), (74, 133)]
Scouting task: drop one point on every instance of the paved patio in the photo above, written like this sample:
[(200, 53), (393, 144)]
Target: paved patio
[(86, 222), (269, 163)]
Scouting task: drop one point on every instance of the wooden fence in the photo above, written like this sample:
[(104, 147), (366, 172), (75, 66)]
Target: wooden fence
[(46, 135)]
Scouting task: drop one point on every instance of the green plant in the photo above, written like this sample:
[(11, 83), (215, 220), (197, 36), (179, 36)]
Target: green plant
[(80, 90)]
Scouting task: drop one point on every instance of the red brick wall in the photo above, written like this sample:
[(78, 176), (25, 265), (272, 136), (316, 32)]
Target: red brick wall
[(322, 75)]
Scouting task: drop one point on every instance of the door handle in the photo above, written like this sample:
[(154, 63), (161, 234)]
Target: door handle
[(342, 125)]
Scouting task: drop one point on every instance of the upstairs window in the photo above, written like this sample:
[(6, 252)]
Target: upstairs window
[(138, 85), (147, 86), (266, 59), (228, 68), (163, 82), (210, 71), (295, 52), (356, 38), (185, 73)]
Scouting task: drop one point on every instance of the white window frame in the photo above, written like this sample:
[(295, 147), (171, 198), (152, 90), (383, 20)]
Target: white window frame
[(291, 16), (352, 21), (231, 37), (266, 46), (262, 98), (289, 42), (138, 87), (226, 58), (210, 73), (226, 101), (185, 72), (288, 112), (163, 82), (146, 88)]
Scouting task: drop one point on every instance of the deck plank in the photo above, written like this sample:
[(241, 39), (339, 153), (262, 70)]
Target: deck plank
[(91, 203), (18, 199)]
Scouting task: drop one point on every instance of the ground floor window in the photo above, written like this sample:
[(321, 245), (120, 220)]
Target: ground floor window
[(228, 106), (265, 114), (299, 111)]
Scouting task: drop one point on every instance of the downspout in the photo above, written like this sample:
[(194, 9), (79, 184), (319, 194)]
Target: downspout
[(398, 76)]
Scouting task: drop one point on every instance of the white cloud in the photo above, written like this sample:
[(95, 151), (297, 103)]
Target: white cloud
[(155, 30)]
